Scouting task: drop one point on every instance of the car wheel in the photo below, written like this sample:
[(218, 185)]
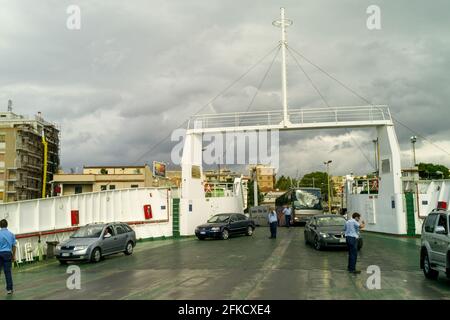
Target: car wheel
[(96, 255), (225, 234), (249, 230), (427, 270), (129, 248), (62, 262), (317, 244)]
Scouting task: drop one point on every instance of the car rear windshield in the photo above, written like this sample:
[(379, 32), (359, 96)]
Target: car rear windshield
[(219, 218), (88, 232), (330, 221)]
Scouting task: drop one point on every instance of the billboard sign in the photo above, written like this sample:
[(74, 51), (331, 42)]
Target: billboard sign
[(159, 169)]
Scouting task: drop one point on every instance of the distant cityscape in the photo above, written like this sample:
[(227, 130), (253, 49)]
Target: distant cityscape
[(30, 169)]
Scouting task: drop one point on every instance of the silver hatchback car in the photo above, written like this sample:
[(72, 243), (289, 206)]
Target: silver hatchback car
[(94, 241), (435, 248)]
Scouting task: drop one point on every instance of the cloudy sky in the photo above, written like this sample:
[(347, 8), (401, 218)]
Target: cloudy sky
[(137, 69)]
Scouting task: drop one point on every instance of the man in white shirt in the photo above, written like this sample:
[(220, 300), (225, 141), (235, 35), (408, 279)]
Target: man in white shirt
[(287, 215), (273, 222), (351, 229)]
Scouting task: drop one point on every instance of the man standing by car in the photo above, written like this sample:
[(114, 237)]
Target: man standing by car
[(7, 253), (273, 223), (287, 215), (351, 229)]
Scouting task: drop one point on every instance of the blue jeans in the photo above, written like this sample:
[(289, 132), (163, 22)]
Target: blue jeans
[(288, 220), (352, 245), (273, 229), (6, 265)]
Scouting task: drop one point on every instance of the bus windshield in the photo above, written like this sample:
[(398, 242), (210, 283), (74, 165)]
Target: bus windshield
[(308, 199)]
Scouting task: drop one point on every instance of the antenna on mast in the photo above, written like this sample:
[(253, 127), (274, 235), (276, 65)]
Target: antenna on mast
[(283, 23)]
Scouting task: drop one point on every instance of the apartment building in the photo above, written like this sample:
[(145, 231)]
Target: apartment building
[(102, 178), (29, 155), (265, 176)]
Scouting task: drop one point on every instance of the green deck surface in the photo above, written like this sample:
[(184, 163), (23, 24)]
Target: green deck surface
[(239, 268)]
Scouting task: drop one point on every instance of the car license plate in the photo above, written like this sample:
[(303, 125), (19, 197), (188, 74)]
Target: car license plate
[(202, 232), (342, 240), (65, 254)]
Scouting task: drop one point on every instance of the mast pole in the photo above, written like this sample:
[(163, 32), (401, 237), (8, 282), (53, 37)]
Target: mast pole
[(283, 66), (282, 24)]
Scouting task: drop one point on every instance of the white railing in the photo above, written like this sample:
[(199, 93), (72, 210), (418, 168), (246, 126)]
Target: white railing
[(296, 117)]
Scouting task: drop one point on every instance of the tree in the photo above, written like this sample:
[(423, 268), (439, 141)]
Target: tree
[(430, 171), (285, 183), (282, 183), (250, 202)]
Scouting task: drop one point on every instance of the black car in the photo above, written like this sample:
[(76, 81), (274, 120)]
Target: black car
[(327, 231), (221, 226)]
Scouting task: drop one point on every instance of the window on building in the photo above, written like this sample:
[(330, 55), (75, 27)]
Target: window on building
[(78, 189), (103, 188), (112, 187), (385, 166), (135, 186)]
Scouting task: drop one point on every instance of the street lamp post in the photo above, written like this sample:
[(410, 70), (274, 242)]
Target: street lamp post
[(413, 141), (375, 142), (255, 188), (327, 163)]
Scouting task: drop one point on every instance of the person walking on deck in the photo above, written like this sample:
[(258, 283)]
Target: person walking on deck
[(351, 229), (287, 215), (273, 223), (7, 253)]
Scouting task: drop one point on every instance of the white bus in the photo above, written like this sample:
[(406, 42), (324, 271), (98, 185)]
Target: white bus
[(305, 203)]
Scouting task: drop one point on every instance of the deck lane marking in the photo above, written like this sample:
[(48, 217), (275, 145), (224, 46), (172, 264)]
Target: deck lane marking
[(252, 287)]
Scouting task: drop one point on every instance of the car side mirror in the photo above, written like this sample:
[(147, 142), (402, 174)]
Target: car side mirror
[(440, 230)]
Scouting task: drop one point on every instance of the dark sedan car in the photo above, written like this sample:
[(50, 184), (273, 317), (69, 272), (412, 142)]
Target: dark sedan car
[(221, 226), (327, 231)]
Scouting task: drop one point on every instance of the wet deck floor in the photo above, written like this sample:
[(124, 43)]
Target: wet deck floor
[(239, 268)]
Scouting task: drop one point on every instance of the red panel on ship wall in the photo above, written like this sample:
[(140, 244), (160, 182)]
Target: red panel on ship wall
[(75, 217), (148, 212)]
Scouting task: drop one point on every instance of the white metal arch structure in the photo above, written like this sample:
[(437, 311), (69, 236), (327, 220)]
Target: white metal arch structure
[(383, 212)]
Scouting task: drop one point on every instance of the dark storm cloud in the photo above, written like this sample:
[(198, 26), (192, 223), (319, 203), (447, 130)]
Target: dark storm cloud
[(136, 70)]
